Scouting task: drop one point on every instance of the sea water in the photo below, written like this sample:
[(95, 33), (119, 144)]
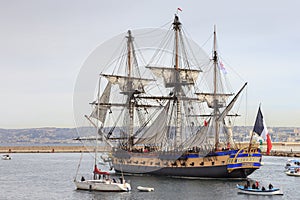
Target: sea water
[(50, 176)]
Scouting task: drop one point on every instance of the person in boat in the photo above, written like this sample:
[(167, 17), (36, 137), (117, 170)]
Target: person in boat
[(263, 188), (106, 177), (270, 186), (256, 184), (253, 186), (82, 178), (247, 185)]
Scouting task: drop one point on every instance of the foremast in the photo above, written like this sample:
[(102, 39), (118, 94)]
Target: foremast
[(130, 84)]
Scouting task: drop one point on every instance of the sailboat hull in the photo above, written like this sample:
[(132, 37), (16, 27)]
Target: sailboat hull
[(104, 186)]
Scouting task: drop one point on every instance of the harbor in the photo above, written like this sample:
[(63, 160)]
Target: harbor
[(59, 184)]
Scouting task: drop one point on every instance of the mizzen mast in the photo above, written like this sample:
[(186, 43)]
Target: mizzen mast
[(215, 100)]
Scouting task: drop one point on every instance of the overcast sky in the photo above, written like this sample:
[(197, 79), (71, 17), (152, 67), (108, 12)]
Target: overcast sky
[(43, 45)]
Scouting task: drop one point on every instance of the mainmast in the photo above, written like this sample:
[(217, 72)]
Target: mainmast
[(129, 89), (215, 99), (177, 89), (176, 28), (129, 50)]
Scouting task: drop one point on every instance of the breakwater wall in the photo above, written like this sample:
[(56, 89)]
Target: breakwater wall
[(289, 149), (50, 149)]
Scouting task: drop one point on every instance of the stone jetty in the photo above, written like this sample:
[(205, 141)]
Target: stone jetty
[(50, 149)]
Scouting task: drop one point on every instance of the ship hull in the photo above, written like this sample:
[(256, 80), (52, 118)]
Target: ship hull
[(185, 172), (234, 164)]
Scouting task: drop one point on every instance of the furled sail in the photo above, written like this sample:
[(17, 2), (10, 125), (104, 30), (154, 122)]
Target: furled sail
[(185, 76), (210, 97), (229, 135), (127, 84)]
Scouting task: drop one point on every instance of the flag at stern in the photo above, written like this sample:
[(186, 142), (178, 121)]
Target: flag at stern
[(261, 129)]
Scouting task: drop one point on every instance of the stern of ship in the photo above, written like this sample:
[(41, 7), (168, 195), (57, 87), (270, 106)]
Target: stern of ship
[(244, 162)]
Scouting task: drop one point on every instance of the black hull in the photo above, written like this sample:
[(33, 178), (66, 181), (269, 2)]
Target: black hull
[(187, 172)]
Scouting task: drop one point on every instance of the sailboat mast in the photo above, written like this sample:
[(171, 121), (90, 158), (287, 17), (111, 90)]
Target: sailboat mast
[(177, 28), (97, 129), (216, 110)]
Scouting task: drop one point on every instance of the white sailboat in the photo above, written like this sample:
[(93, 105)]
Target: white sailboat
[(102, 180)]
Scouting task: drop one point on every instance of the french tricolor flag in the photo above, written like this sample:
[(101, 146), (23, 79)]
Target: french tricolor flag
[(261, 129)]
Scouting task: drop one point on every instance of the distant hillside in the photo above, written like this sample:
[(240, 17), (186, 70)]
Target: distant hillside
[(52, 135), (48, 135)]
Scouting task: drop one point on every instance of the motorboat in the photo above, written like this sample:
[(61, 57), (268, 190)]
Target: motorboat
[(6, 157), (293, 172), (292, 164), (260, 191)]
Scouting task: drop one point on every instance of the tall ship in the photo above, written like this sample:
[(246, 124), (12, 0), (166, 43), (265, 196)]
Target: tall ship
[(164, 118)]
